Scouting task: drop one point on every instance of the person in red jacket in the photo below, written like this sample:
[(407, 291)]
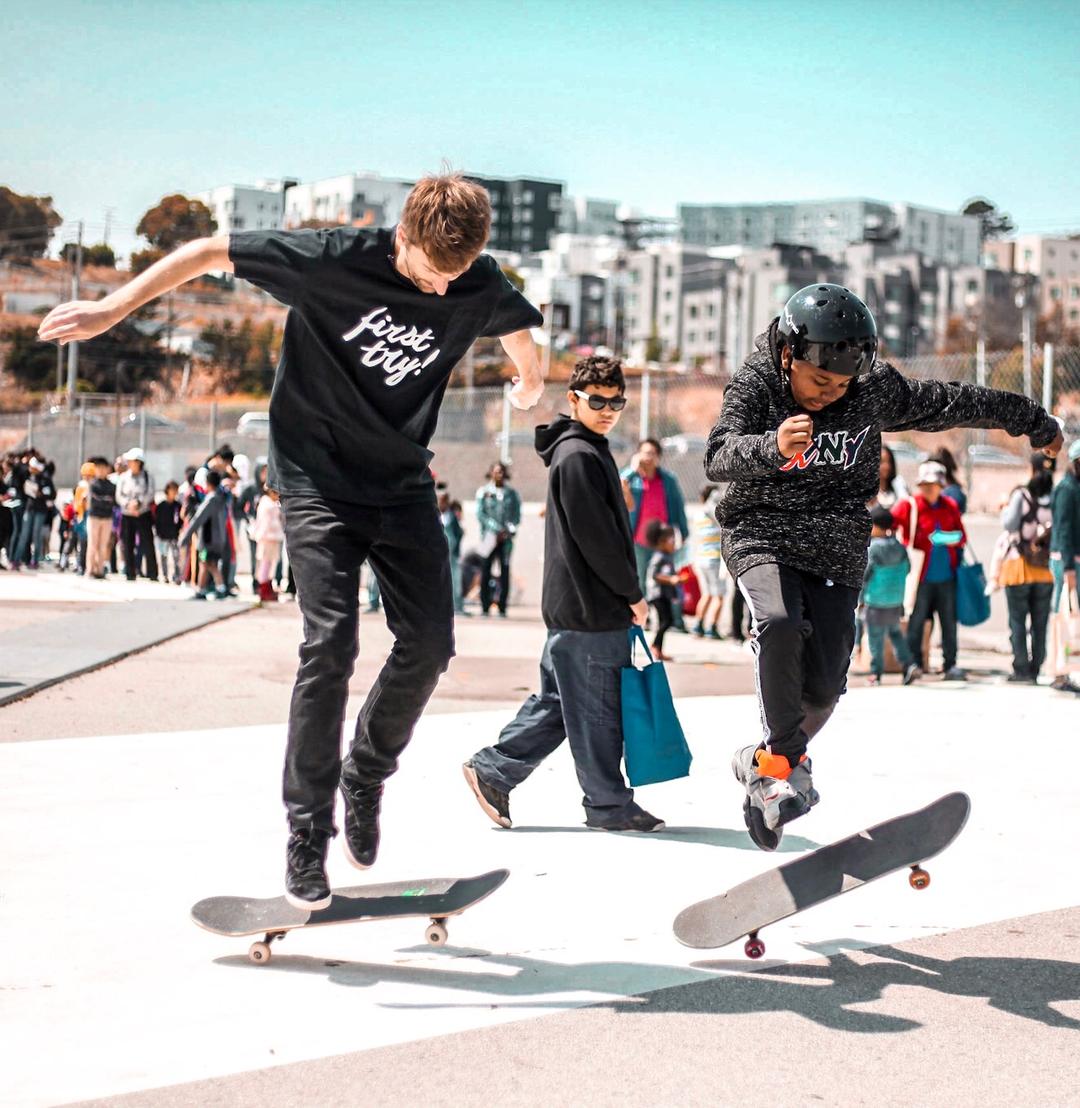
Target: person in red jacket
[(940, 535)]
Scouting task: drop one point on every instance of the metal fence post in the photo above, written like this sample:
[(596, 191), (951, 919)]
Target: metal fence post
[(82, 435), (980, 363), (142, 429), (505, 455), (30, 427), (643, 424), (213, 427), (1048, 376)]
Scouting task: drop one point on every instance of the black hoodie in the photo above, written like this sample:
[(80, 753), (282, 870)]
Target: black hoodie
[(809, 512), (590, 575)]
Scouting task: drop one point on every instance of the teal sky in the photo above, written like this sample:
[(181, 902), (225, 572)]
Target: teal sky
[(112, 105)]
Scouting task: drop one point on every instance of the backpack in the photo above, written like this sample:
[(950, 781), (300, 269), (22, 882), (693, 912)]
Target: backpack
[(1033, 538)]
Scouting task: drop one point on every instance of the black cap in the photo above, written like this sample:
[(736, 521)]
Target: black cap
[(881, 517), (830, 327)]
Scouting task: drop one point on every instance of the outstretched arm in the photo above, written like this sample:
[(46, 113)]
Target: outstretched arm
[(941, 405), (83, 319)]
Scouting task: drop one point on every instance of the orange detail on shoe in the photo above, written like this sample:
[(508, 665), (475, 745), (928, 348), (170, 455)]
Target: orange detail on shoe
[(774, 765)]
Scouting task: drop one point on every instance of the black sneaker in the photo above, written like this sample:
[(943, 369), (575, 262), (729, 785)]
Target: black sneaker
[(305, 869), (1064, 684), (763, 838), (495, 802), (361, 839), (640, 821)]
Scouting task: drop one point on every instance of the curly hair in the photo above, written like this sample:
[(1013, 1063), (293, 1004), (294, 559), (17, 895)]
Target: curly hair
[(598, 370)]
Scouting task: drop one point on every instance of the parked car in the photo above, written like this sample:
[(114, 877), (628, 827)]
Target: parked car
[(906, 451), (993, 456), (256, 425), (154, 422)]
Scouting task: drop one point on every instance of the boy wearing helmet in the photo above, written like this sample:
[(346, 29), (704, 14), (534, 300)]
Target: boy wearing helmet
[(799, 440)]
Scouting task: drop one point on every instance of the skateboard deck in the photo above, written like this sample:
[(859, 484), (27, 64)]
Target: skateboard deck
[(437, 898), (769, 897)]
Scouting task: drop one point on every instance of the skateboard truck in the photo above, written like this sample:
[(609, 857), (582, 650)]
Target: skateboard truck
[(259, 952)]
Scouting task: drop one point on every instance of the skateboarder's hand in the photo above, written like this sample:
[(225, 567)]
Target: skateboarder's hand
[(75, 321), (795, 435), (525, 396), (641, 612), (1051, 450)]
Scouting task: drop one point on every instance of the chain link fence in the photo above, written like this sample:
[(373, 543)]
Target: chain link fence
[(478, 426)]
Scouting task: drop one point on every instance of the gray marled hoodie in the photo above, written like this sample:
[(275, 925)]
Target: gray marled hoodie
[(810, 512)]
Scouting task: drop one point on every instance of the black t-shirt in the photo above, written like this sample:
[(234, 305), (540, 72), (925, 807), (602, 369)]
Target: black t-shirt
[(365, 358)]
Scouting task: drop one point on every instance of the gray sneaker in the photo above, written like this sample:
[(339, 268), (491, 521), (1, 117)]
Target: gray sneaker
[(777, 801), (955, 673)]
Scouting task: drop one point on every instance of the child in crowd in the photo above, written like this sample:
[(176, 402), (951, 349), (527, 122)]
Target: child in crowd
[(590, 599), (451, 524), (210, 526), (101, 501), (799, 438), (167, 533), (269, 534), (662, 582), (882, 598), (709, 563)]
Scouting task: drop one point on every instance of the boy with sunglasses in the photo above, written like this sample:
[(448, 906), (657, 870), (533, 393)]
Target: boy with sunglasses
[(799, 438), (591, 597)]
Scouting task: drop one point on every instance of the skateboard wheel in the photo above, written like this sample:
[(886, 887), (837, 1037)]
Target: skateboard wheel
[(919, 878), (259, 953), (436, 934), (754, 947)]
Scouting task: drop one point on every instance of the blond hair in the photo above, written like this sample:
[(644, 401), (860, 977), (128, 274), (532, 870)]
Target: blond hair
[(449, 218)]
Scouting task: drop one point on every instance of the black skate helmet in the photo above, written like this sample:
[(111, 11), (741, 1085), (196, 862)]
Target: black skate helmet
[(830, 327)]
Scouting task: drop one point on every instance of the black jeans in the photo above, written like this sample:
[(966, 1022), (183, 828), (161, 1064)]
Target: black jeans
[(142, 527), (1028, 603), (500, 554), (327, 542), (803, 631), (934, 597), (579, 700)]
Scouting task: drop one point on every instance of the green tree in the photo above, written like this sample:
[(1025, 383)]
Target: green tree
[(144, 259), (992, 223), (31, 363), (98, 254), (175, 220), (26, 224)]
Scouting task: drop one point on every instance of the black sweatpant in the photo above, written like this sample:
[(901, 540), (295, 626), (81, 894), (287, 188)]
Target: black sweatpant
[(665, 620), (500, 554), (142, 528), (803, 631), (328, 541)]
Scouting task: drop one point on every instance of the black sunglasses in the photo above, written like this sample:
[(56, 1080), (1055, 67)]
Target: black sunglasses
[(599, 403)]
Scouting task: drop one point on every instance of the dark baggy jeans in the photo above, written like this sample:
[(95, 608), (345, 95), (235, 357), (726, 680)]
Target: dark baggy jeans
[(939, 597), (876, 635), (579, 700), (803, 631), (1028, 602), (501, 554), (328, 541)]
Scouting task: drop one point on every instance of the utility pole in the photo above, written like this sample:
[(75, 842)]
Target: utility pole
[(73, 347), (108, 223)]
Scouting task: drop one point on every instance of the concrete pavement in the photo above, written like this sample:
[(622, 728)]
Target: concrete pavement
[(109, 839)]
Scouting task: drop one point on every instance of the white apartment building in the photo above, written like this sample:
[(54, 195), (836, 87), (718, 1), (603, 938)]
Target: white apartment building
[(581, 215), (1054, 260), (255, 207), (355, 199)]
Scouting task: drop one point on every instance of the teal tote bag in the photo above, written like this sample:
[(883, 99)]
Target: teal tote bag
[(654, 746)]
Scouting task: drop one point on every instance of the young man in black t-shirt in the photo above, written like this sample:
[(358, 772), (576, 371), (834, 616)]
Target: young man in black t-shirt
[(377, 321)]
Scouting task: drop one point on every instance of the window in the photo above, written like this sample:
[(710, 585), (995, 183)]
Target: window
[(1074, 314), (527, 215), (494, 196), (1074, 292), (667, 321), (669, 271), (554, 201), (710, 310), (527, 197), (494, 215), (693, 311), (710, 336), (1027, 255), (1049, 251), (1050, 273), (973, 286), (526, 234), (667, 294), (691, 336)]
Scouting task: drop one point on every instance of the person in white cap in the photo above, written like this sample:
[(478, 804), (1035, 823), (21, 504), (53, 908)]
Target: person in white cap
[(135, 495), (940, 536)]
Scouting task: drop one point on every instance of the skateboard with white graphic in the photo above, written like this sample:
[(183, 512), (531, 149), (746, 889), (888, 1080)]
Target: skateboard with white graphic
[(273, 917), (906, 840)]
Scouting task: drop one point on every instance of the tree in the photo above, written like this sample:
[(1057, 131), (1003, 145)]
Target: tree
[(26, 224), (98, 254), (992, 223), (143, 259), (244, 356), (32, 364), (175, 220)]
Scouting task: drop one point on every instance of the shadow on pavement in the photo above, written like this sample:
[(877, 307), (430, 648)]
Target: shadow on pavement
[(825, 994), (709, 836)]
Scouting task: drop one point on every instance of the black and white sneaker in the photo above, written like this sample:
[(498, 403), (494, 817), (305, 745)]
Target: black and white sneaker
[(495, 803), (639, 821), (361, 838), (305, 869)]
